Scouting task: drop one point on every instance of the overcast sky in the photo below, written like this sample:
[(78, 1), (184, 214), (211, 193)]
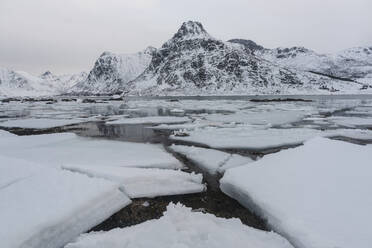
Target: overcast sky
[(66, 36)]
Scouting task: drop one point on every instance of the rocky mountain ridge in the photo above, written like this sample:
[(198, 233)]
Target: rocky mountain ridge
[(354, 64), (192, 62)]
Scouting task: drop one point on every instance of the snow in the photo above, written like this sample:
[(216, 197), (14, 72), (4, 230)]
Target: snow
[(246, 137), (181, 227), (5, 134), (50, 208), (19, 83), (67, 148), (260, 118), (361, 134), (12, 170), (140, 182), (150, 120), (210, 160), (351, 121), (40, 123), (111, 72), (316, 195)]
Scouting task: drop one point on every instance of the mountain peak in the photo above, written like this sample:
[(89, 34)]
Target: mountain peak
[(149, 50), (107, 53), (191, 30), (47, 73)]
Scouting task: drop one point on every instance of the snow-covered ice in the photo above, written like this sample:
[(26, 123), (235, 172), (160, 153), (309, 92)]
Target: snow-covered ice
[(246, 137), (67, 148), (50, 208), (316, 195), (361, 134), (150, 120), (141, 182), (260, 118), (351, 121), (5, 134), (182, 228), (13, 170), (212, 161), (40, 123)]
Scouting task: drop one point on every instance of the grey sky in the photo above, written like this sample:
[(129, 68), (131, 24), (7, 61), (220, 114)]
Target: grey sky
[(66, 36)]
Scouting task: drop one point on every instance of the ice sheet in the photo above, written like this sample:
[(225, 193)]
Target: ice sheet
[(12, 170), (316, 195)]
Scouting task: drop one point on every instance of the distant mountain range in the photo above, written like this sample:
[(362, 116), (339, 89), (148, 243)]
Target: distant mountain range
[(194, 63)]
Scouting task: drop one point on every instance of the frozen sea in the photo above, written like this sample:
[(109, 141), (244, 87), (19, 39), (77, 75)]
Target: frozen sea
[(151, 151)]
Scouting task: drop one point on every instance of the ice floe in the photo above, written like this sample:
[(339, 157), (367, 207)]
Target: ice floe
[(67, 148), (316, 195), (40, 123), (210, 160), (4, 134), (269, 118), (246, 137), (181, 227), (360, 134), (50, 208), (348, 121), (150, 120), (140, 182)]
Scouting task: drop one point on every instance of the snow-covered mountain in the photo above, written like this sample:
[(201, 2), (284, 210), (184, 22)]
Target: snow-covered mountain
[(112, 72), (18, 83), (13, 83), (354, 64), (62, 83), (193, 62)]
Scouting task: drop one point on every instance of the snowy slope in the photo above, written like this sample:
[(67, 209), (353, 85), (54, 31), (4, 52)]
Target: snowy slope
[(63, 83), (356, 63), (14, 83), (299, 58), (112, 72), (19, 83), (353, 64)]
